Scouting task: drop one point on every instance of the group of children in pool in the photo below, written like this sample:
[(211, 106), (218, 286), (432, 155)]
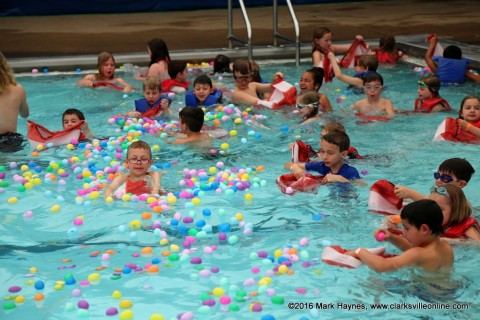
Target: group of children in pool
[(446, 208)]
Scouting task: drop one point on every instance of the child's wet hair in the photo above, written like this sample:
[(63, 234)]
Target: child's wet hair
[(159, 51), (433, 83), (463, 102), (76, 112), (203, 79), (152, 83), (368, 61), (139, 144), (460, 209), (318, 74), (221, 64), (318, 33), (243, 66), (387, 43), (422, 212), (334, 126), (452, 52), (339, 139), (193, 117), (103, 57), (255, 68), (459, 167), (176, 67), (373, 76)]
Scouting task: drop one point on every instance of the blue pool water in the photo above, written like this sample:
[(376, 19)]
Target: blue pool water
[(234, 275)]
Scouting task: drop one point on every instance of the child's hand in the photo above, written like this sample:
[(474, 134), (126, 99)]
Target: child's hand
[(393, 221), (290, 145), (402, 192), (134, 114), (382, 234), (462, 123), (433, 39), (351, 253), (297, 171), (87, 83), (276, 76), (164, 103), (128, 88), (330, 177), (359, 37)]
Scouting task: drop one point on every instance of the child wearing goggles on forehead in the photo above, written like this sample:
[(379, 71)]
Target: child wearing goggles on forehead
[(429, 99), (373, 104), (138, 180), (454, 171)]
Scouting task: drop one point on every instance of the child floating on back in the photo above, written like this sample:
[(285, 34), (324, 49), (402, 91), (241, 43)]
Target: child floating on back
[(138, 180), (105, 76), (312, 80)]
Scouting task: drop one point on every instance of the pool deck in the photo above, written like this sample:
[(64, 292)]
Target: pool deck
[(75, 40)]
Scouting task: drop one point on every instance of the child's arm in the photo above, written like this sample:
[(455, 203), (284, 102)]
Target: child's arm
[(342, 48), (473, 233), (86, 81), (429, 54), (126, 86), (298, 169), (117, 181), (133, 114), (330, 177), (86, 131), (407, 193), (389, 109), (381, 264), (469, 127), (242, 97), (157, 184), (472, 75), (340, 76), (325, 102), (317, 58)]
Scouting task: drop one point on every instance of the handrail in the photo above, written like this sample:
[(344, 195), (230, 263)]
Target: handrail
[(276, 34), (231, 36)]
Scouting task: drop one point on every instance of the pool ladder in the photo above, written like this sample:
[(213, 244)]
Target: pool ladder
[(231, 37)]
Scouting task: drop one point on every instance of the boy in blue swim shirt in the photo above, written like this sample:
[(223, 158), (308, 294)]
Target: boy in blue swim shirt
[(333, 150)]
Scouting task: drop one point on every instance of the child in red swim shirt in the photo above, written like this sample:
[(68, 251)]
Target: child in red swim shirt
[(139, 180)]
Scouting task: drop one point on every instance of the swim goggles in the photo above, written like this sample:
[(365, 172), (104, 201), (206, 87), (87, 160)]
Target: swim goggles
[(376, 87), (300, 106), (422, 84), (445, 178), (440, 190)]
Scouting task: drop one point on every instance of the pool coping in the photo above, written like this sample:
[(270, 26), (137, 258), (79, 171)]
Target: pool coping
[(413, 45)]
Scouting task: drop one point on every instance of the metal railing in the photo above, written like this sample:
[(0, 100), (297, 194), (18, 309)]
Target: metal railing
[(277, 35), (232, 37)]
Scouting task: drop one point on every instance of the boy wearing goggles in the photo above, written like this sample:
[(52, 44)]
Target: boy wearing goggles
[(373, 104), (454, 171)]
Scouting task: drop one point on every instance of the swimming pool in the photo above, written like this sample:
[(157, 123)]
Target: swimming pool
[(92, 257)]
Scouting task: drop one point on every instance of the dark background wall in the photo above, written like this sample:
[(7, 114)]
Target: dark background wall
[(55, 7)]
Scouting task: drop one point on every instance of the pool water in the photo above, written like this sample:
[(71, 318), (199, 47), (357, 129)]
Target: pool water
[(213, 251)]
